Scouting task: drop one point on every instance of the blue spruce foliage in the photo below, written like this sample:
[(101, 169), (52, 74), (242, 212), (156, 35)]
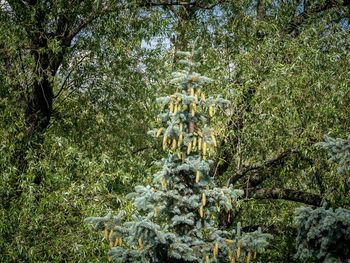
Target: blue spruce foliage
[(324, 234)]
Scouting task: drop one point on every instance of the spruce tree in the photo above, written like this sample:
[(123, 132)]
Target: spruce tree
[(324, 234), (176, 219)]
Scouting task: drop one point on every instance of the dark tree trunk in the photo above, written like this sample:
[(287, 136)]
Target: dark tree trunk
[(181, 40), (39, 108), (39, 102)]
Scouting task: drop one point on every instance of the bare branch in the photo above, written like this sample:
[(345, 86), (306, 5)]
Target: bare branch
[(94, 15), (259, 166), (285, 194), (81, 26), (183, 3), (274, 229), (69, 74)]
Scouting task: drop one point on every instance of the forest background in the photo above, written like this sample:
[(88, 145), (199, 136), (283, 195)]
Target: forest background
[(78, 81)]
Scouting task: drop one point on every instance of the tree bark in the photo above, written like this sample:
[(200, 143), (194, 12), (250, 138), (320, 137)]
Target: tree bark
[(285, 194)]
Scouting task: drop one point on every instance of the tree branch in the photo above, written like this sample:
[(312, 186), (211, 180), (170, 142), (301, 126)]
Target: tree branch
[(97, 14), (183, 3), (285, 194), (274, 229), (259, 166), (312, 10), (260, 10), (81, 26), (68, 75)]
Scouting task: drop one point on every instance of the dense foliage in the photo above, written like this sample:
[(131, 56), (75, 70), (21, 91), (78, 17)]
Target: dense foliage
[(77, 85)]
